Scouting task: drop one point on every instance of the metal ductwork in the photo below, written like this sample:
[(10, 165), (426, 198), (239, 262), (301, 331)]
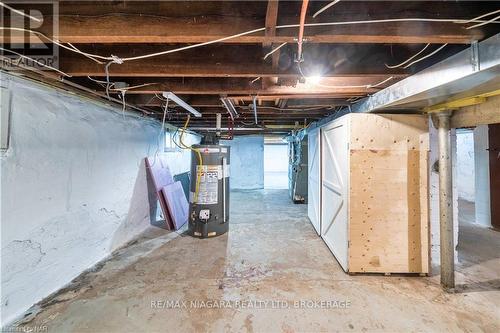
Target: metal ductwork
[(473, 71)]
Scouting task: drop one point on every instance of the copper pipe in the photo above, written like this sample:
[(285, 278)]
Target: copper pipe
[(303, 13)]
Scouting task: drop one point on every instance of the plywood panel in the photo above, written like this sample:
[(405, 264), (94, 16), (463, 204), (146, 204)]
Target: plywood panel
[(392, 132), (388, 211)]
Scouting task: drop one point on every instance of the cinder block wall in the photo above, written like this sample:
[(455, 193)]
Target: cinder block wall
[(247, 162), (73, 188)]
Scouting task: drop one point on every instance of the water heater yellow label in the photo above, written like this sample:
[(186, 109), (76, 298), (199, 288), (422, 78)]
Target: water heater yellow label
[(208, 189)]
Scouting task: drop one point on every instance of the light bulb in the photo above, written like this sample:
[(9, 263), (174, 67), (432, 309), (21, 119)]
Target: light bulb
[(314, 79)]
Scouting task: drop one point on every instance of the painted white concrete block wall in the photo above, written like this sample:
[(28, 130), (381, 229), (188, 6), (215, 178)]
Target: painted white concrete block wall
[(465, 164), (73, 189), (434, 192), (247, 162), (482, 176)]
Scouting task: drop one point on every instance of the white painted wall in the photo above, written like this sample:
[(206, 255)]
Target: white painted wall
[(465, 165), (73, 189), (247, 162), (482, 176)]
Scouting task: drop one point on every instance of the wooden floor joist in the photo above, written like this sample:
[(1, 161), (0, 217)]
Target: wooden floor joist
[(350, 59)]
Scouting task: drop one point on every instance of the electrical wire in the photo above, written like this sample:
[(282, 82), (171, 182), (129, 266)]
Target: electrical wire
[(325, 8), (365, 86), (58, 43), (287, 109), (274, 50), (160, 134), (106, 69), (117, 59), (173, 138), (122, 96), (410, 58), (95, 80), (160, 97), (475, 19), (165, 111), (427, 56), (246, 124), (133, 87), (483, 23), (35, 61), (200, 160), (20, 12), (85, 55)]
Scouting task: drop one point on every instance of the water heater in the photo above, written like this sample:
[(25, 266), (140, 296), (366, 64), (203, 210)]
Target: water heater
[(209, 191)]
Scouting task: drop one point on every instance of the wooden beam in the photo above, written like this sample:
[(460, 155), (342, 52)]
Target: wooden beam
[(207, 101), (233, 61), (195, 101), (355, 85), (117, 29), (267, 97), (271, 21), (261, 110), (302, 91), (211, 122), (474, 115), (215, 61)]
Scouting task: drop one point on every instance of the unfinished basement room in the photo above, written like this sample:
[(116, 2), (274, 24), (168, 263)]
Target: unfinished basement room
[(250, 166)]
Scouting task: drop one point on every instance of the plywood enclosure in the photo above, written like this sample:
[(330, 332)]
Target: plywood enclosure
[(388, 204), (374, 190)]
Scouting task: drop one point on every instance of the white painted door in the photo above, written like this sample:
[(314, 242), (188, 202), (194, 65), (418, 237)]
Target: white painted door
[(314, 186), (334, 189)]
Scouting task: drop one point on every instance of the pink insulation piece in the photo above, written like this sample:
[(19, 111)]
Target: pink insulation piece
[(159, 170), (177, 204)]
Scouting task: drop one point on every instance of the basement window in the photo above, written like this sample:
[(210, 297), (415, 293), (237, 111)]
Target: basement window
[(170, 145)]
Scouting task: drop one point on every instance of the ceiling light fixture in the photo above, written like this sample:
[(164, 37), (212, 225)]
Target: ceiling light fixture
[(314, 79), (228, 104), (173, 97)]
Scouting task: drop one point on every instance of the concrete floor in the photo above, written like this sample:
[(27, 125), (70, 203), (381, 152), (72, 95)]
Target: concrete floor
[(271, 254)]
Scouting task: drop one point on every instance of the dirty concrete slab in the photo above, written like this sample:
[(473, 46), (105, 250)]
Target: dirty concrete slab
[(270, 274)]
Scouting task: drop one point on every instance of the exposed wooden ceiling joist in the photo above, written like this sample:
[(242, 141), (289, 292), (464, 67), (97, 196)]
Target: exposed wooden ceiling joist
[(115, 29), (235, 61), (340, 85), (351, 59)]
